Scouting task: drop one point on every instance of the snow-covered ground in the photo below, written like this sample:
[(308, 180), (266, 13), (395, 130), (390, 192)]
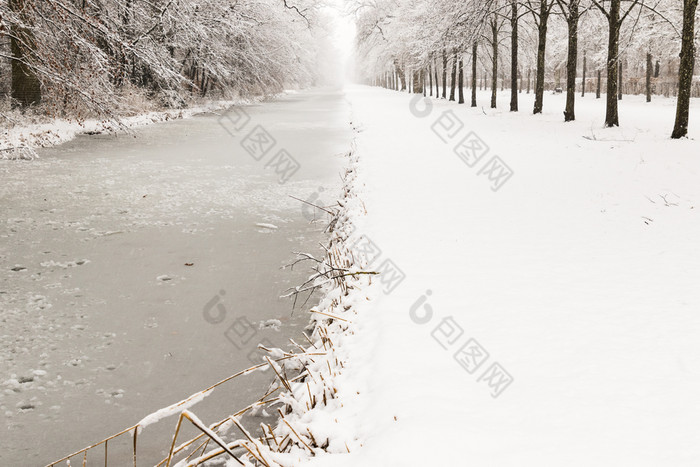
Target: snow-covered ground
[(546, 318)]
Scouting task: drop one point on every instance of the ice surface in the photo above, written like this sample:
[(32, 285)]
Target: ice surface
[(101, 319)]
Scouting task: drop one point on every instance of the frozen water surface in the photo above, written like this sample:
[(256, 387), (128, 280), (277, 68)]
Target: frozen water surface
[(125, 262)]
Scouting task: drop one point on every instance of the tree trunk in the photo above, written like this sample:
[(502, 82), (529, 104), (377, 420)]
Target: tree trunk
[(444, 74), (514, 56), (474, 51), (417, 84), (26, 87), (541, 45), (453, 76), (460, 83), (597, 89), (400, 76), (494, 64), (430, 76), (572, 57), (529, 71), (685, 72), (619, 82), (583, 81), (437, 81), (520, 78), (648, 80), (611, 115)]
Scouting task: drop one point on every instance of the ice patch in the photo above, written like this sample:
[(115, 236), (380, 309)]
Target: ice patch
[(270, 324), (66, 265), (37, 303)]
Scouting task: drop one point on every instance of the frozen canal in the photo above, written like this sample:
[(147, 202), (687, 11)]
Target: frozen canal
[(113, 252)]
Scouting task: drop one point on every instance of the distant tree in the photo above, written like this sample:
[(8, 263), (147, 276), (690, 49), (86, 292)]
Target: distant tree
[(437, 81), (495, 23), (444, 73), (583, 79), (453, 77), (514, 17), (647, 83), (494, 60), (475, 47), (460, 81), (430, 78)]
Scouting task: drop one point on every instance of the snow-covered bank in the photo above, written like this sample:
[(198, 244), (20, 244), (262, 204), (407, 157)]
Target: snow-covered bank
[(550, 320), (21, 140)]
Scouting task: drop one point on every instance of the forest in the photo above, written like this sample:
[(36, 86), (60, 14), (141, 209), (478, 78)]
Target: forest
[(610, 47), (109, 58)]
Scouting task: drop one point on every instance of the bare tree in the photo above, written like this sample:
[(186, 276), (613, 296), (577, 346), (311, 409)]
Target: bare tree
[(475, 47), (453, 77), (514, 18), (460, 81), (647, 83)]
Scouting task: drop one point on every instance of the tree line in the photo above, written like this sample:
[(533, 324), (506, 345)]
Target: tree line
[(418, 42), (98, 57)]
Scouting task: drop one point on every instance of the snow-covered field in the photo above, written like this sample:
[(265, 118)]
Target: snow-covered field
[(551, 321)]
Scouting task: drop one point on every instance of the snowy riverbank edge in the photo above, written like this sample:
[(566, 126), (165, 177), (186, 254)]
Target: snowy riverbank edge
[(21, 141), (313, 421), (313, 380)]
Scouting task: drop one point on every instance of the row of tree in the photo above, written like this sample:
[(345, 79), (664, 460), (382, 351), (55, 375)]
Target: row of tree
[(89, 57), (400, 41)]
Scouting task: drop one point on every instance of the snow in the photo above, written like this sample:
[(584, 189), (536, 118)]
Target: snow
[(271, 324), (174, 409), (263, 225), (21, 140), (578, 276)]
